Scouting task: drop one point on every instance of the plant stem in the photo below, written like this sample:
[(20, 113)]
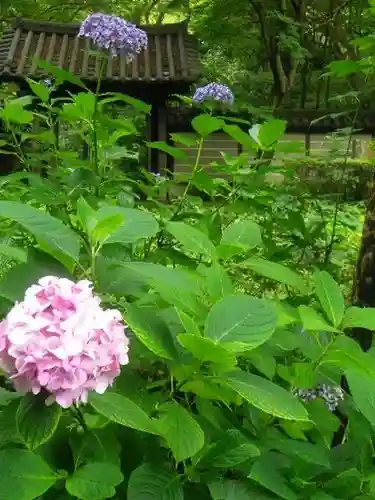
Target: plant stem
[(188, 185), (95, 117)]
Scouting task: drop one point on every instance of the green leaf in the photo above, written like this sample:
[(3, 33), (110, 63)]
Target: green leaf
[(118, 97), (39, 89), (270, 478), (228, 489), (36, 422), (14, 112), (149, 482), (241, 322), (121, 410), (330, 297), (180, 430), (86, 215), (204, 125), (13, 253), (275, 271), (192, 240), (105, 227), (266, 395), (240, 136), (345, 354), (61, 75), (185, 139), (240, 236), (94, 481), (344, 68), (177, 153), (312, 321), (151, 331), (206, 349), (362, 389), (62, 242), (15, 281), (188, 323), (270, 132), (24, 475), (217, 281), (95, 445), (235, 456), (6, 396), (137, 224), (357, 317)]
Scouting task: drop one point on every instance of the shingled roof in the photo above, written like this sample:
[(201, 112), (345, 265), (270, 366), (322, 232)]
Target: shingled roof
[(172, 53)]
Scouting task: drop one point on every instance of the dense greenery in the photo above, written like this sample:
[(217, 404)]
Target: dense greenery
[(233, 327)]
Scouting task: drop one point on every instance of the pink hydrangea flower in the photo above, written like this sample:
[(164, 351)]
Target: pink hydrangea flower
[(60, 340)]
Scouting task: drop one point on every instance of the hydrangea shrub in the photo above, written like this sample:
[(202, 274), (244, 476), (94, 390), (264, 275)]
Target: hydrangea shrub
[(144, 353)]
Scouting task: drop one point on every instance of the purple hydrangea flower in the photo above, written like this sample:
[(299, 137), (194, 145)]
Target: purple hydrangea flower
[(214, 91), (114, 33)]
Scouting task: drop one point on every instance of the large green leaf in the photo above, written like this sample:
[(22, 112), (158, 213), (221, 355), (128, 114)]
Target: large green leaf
[(151, 330), (240, 322), (330, 297), (266, 395), (180, 430), (24, 475), (94, 481), (229, 489), (313, 321), (177, 153), (216, 281), (276, 272), (345, 354), (150, 482), (357, 317), (271, 479), (362, 388), (192, 240), (60, 241), (14, 282), (6, 396), (137, 224), (36, 422), (122, 410), (206, 349), (240, 236), (204, 125)]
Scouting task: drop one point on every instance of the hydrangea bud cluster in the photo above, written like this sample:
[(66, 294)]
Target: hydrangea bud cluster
[(214, 91), (331, 395), (115, 34), (60, 340)]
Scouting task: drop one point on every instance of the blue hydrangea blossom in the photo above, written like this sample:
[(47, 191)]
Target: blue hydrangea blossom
[(115, 34), (214, 91)]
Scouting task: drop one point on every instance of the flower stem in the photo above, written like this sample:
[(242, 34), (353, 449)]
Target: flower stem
[(95, 116)]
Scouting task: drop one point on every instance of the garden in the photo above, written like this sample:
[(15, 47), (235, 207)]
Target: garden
[(198, 335)]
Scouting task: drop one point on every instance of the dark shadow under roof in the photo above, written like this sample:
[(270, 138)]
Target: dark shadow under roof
[(172, 54)]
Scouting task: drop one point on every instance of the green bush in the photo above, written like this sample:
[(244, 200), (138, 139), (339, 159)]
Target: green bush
[(238, 342)]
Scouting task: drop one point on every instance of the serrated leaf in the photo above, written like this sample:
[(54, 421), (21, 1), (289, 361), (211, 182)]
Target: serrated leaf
[(61, 240), (266, 395), (204, 125), (330, 297), (180, 430), (275, 271), (137, 224), (357, 317), (150, 482), (192, 240), (241, 322), (36, 422), (271, 479), (105, 227), (206, 350), (240, 236), (217, 281), (94, 481), (39, 89), (151, 331), (24, 475), (362, 389), (122, 410), (311, 320)]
